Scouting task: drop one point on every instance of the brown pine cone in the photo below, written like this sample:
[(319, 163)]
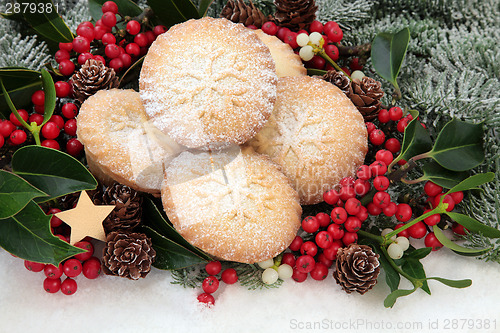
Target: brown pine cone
[(68, 201), (128, 255), (357, 268), (128, 207), (238, 11), (92, 77), (295, 14), (339, 79), (366, 96)]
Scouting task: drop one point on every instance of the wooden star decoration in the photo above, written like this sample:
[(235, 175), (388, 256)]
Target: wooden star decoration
[(86, 219)]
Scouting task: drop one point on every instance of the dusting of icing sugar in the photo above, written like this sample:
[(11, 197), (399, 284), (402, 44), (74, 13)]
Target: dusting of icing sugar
[(315, 133), (234, 205), (208, 81)]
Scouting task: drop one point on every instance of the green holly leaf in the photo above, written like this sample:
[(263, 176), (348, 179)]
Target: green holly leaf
[(441, 176), (459, 146), (48, 23), (473, 225), (416, 139), (27, 235), (453, 283), (52, 171), (155, 219), (171, 12), (20, 83), (388, 52), (169, 254), (15, 193), (454, 246)]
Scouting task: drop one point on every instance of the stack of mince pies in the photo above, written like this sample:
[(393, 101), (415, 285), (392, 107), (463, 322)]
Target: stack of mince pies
[(231, 132)]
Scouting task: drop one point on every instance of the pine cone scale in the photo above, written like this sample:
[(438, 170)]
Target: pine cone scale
[(238, 11), (366, 95), (295, 14), (92, 77)]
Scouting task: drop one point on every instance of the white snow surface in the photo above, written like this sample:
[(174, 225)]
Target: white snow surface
[(153, 304)]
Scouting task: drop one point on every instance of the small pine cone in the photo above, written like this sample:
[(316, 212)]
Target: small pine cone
[(338, 79), (128, 207), (68, 201), (295, 14), (357, 268), (238, 11), (128, 255), (92, 77), (366, 96)]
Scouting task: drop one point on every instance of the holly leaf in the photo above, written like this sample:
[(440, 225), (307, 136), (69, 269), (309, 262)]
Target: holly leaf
[(203, 7), (27, 235), (388, 52), (171, 12), (20, 83), (52, 171), (15, 193), (454, 246), (459, 146), (170, 255), (154, 218), (473, 225), (441, 176), (391, 299), (416, 139), (453, 283), (50, 95), (48, 23)]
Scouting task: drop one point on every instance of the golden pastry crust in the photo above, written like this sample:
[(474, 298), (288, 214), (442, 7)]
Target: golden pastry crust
[(233, 205), (315, 134), (287, 62), (113, 127), (208, 82)]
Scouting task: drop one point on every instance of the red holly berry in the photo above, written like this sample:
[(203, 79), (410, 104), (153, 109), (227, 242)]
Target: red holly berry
[(61, 55), (109, 19), (332, 51), (110, 6), (395, 113), (22, 113), (433, 219), (336, 231), (116, 64), (69, 110), (384, 156), (126, 59), (18, 137), (403, 233), (457, 196), (391, 209), (88, 247), (383, 116), (213, 267), (291, 39), (352, 224), (361, 187), (448, 199), (69, 286), (72, 267), (347, 192), (52, 285), (310, 224), (53, 272), (86, 32), (339, 215), (393, 145), (6, 128), (432, 241), (349, 238), (207, 299), (373, 209), (331, 252), (432, 189), (81, 44), (99, 32), (54, 220), (381, 183), (289, 259), (63, 89), (159, 29), (296, 243), (2, 141), (51, 144), (35, 118), (298, 276), (282, 31), (324, 239), (50, 130), (133, 27), (352, 206), (66, 67), (403, 212), (320, 271), (370, 126), (316, 26), (229, 276), (34, 266), (70, 127), (210, 284), (402, 124), (363, 214), (418, 230), (305, 263), (381, 199), (333, 32), (309, 248), (378, 168), (66, 46), (458, 229), (377, 137), (331, 197), (324, 260), (91, 268)]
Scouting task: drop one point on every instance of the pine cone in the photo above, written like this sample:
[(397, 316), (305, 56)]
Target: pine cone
[(295, 14), (338, 79), (128, 207), (366, 95), (357, 268), (128, 255), (238, 11), (68, 201), (92, 77)]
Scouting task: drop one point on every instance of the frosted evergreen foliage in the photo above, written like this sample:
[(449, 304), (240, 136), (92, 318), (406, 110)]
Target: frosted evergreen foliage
[(348, 13), (74, 12)]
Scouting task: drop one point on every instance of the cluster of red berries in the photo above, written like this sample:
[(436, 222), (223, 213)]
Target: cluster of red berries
[(330, 31), (81, 263), (211, 283), (114, 47), (60, 129)]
